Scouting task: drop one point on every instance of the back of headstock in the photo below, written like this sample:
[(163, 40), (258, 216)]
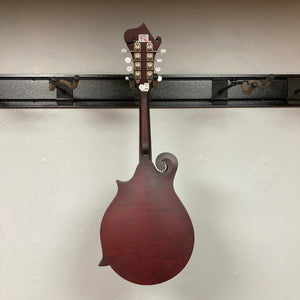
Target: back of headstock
[(147, 236), (143, 48)]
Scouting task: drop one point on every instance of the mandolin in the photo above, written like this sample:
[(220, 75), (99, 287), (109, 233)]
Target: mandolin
[(146, 234)]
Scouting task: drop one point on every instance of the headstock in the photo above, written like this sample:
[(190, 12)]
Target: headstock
[(143, 48)]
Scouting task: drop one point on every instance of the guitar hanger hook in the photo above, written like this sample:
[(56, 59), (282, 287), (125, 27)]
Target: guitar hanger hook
[(54, 82), (248, 86)]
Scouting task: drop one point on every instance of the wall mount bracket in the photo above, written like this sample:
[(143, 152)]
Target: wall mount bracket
[(294, 91), (175, 91)]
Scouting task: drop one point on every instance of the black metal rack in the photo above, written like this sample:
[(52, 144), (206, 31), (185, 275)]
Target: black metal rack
[(175, 91)]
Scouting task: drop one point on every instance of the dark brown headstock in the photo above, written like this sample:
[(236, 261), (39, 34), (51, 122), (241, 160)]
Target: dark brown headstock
[(143, 48)]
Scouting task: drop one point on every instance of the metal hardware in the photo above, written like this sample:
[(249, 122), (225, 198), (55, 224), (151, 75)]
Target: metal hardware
[(155, 81), (294, 91), (175, 91), (64, 89), (131, 81), (219, 92), (248, 86), (54, 83)]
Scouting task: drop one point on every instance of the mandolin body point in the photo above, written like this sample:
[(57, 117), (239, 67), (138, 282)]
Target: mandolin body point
[(146, 234)]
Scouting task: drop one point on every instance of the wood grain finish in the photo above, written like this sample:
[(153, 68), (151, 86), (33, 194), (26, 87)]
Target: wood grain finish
[(147, 236), (145, 131), (131, 36), (146, 233)]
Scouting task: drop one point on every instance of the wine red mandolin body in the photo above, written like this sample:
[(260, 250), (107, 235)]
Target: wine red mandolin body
[(146, 233)]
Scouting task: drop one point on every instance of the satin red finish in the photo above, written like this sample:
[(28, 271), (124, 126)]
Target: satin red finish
[(147, 236), (146, 233)]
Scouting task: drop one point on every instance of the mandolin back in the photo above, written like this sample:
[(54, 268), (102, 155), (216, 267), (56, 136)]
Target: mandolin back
[(146, 234)]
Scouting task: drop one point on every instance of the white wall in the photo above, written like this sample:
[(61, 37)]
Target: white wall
[(238, 171)]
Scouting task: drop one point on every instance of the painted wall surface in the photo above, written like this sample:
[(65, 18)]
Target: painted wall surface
[(239, 169)]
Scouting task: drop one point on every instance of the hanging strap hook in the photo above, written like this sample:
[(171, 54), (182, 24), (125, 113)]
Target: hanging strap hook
[(54, 81), (249, 85)]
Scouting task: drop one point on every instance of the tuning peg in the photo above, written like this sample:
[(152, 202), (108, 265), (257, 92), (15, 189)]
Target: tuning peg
[(124, 50), (159, 60), (129, 69), (128, 60), (159, 78), (127, 78), (157, 69), (163, 51)]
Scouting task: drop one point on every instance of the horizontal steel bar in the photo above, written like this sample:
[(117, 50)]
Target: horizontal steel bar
[(175, 91)]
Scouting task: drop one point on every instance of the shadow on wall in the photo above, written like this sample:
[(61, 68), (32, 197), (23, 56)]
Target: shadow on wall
[(212, 266)]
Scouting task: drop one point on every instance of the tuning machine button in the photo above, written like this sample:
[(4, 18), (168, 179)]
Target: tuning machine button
[(159, 78), (159, 60), (128, 60), (163, 51), (124, 50), (157, 69), (129, 69)]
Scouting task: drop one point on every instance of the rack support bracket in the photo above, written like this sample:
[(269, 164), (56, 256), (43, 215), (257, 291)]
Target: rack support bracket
[(294, 91)]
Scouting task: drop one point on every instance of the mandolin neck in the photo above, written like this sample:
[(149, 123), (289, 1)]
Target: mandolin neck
[(145, 133)]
